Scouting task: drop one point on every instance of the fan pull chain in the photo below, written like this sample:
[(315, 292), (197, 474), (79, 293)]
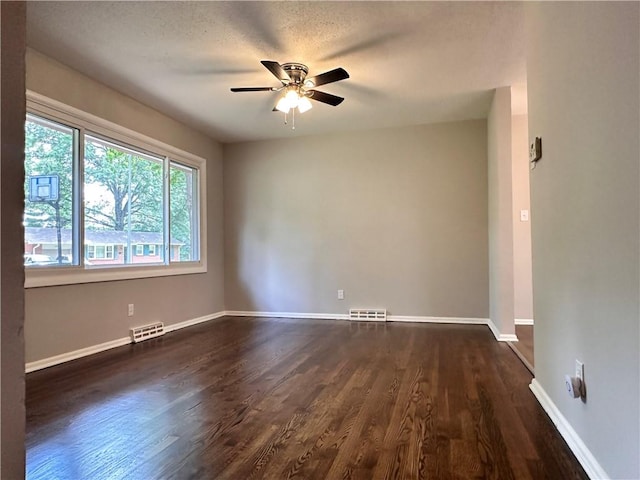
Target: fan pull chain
[(293, 119)]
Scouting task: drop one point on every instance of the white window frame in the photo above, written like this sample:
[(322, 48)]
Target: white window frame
[(87, 123), (139, 250), (152, 250)]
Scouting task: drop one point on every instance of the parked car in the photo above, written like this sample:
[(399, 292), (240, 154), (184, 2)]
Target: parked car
[(37, 259)]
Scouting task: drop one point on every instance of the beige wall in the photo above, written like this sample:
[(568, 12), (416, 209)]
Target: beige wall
[(499, 144), (66, 318), (522, 279), (12, 413), (397, 218), (583, 87)]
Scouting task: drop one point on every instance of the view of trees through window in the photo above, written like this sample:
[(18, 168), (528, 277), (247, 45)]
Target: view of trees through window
[(48, 219), (182, 184), (122, 200), (123, 208)]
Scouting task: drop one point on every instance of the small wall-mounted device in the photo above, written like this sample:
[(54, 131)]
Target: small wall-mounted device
[(535, 152), (574, 386)]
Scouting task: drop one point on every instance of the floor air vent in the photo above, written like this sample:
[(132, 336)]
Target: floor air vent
[(368, 314), (139, 334)]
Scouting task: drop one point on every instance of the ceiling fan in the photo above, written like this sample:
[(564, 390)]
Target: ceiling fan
[(297, 87)]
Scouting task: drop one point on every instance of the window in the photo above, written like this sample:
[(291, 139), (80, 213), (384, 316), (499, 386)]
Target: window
[(123, 194), (98, 196), (50, 149), (183, 186), (100, 252)]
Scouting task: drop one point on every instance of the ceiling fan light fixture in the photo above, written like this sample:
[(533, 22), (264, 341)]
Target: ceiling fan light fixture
[(304, 104), (283, 105), (292, 97)]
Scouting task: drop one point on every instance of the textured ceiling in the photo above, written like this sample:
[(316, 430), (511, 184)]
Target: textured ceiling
[(410, 62)]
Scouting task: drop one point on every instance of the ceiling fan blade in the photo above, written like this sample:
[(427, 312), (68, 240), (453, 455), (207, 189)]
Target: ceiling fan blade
[(277, 70), (254, 89), (325, 98), (331, 76)]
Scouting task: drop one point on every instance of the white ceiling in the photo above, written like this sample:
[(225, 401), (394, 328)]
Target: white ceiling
[(409, 62)]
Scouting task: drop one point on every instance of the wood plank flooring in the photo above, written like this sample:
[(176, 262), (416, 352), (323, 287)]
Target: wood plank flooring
[(523, 348), (243, 398)]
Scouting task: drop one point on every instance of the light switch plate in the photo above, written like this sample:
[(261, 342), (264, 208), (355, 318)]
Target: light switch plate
[(579, 370), (535, 150)]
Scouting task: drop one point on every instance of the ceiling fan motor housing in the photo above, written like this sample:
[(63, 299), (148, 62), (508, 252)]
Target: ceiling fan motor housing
[(297, 72)]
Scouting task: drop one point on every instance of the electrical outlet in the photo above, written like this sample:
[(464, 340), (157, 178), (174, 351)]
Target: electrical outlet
[(579, 370), (130, 311), (340, 294)]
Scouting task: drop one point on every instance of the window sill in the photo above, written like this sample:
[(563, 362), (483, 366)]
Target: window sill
[(36, 277)]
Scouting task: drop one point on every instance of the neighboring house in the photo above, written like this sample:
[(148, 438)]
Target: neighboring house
[(102, 247)]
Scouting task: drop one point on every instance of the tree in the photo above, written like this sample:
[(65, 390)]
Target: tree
[(132, 190), (181, 185)]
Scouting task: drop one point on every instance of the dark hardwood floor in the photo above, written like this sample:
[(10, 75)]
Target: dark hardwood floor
[(523, 348), (278, 399)]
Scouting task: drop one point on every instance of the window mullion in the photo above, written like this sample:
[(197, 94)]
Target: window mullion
[(166, 210), (78, 196), (195, 215)]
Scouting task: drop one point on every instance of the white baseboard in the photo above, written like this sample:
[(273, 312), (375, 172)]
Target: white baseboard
[(501, 337), (575, 443), (83, 352), (314, 316), (523, 321), (193, 321), (418, 319)]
